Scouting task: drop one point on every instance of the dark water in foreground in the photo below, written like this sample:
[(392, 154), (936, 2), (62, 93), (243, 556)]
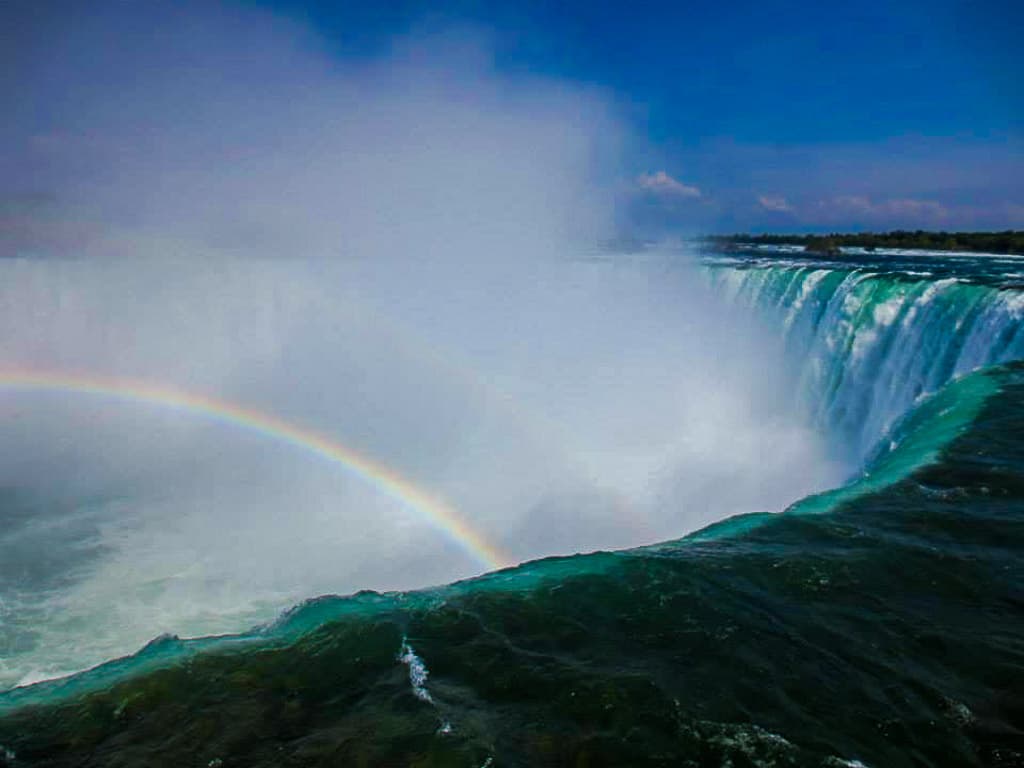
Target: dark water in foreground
[(883, 626), (890, 631)]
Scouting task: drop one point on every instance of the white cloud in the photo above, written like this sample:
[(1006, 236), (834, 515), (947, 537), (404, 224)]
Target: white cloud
[(846, 210), (774, 203), (910, 207), (893, 211), (663, 185)]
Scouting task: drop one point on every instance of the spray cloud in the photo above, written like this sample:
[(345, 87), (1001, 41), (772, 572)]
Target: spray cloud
[(396, 252)]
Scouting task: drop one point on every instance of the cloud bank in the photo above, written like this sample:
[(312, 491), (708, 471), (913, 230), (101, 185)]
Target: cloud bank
[(902, 182), (862, 211), (183, 130)]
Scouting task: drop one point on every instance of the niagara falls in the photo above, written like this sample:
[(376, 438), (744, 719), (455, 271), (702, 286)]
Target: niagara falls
[(453, 384)]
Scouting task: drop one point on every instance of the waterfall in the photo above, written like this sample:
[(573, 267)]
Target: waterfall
[(865, 345)]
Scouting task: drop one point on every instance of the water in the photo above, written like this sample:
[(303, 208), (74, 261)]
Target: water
[(166, 473), (871, 336), (876, 624)]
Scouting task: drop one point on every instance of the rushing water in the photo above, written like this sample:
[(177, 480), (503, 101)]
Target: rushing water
[(871, 338), (877, 624)]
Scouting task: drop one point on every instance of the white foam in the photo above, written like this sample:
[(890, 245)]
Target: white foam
[(418, 673), (887, 312)]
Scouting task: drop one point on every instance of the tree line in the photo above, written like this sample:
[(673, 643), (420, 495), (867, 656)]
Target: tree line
[(1009, 241)]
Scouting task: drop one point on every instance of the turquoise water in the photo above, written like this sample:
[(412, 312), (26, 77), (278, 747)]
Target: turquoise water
[(871, 337), (877, 624)]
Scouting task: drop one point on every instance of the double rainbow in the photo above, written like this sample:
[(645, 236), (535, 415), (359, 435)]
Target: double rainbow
[(439, 513)]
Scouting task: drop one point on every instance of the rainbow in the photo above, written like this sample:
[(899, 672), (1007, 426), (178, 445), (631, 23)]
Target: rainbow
[(440, 514)]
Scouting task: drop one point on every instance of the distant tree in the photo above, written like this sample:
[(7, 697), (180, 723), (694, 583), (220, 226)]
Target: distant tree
[(1009, 241)]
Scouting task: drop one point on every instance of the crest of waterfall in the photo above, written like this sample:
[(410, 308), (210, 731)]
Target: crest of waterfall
[(866, 345)]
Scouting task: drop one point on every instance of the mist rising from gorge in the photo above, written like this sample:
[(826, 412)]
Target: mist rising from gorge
[(396, 253)]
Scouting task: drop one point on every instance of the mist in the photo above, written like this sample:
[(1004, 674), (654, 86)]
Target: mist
[(398, 252)]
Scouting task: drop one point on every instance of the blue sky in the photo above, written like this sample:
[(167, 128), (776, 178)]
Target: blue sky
[(752, 71), (791, 116), (784, 115)]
